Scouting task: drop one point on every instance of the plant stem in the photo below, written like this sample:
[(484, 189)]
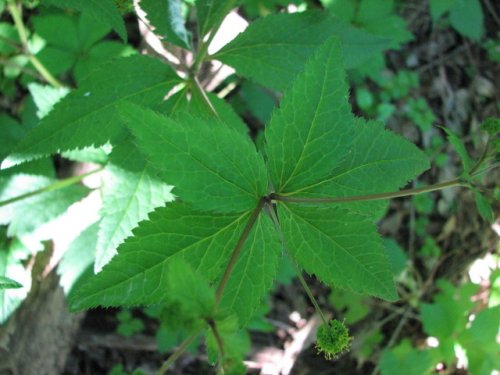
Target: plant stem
[(237, 250), (178, 352), (218, 339), (55, 186), (298, 271), (23, 37), (220, 289), (371, 197)]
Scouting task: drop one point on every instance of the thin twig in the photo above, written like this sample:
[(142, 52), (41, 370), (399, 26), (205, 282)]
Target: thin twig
[(371, 197), (15, 12), (55, 186)]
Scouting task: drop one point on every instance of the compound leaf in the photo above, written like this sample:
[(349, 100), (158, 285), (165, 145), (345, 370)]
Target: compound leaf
[(311, 132), (273, 50), (211, 166), (137, 275), (379, 161), (129, 193), (104, 11), (341, 248), (254, 272), (166, 17), (88, 116)]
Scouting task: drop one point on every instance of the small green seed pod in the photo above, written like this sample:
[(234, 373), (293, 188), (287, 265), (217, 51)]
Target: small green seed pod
[(333, 339)]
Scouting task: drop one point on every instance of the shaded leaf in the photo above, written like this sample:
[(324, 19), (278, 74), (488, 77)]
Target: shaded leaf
[(310, 133), (341, 248), (166, 17)]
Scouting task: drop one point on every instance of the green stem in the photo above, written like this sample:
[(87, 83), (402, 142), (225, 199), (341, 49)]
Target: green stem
[(218, 340), (23, 37), (55, 186), (222, 285), (178, 352), (372, 197), (237, 251), (298, 271)]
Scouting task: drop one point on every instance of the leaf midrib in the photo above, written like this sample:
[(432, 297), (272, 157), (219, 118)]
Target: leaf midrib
[(311, 128)]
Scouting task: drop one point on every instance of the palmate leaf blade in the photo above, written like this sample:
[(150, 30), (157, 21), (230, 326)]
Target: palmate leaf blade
[(129, 193), (211, 166), (254, 272), (379, 161), (103, 10), (341, 248), (137, 275), (88, 116), (273, 50), (311, 132), (166, 17)]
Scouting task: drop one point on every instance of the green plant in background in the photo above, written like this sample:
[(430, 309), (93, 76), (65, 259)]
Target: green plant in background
[(311, 193), (127, 324), (465, 16)]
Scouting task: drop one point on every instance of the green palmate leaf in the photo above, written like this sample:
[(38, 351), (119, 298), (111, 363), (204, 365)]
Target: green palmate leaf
[(166, 17), (371, 169), (199, 107), (137, 275), (88, 116), (8, 283), (211, 166), (78, 258), (273, 50), (76, 43), (210, 13), (254, 272), (310, 133), (130, 192), (104, 11), (341, 248)]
